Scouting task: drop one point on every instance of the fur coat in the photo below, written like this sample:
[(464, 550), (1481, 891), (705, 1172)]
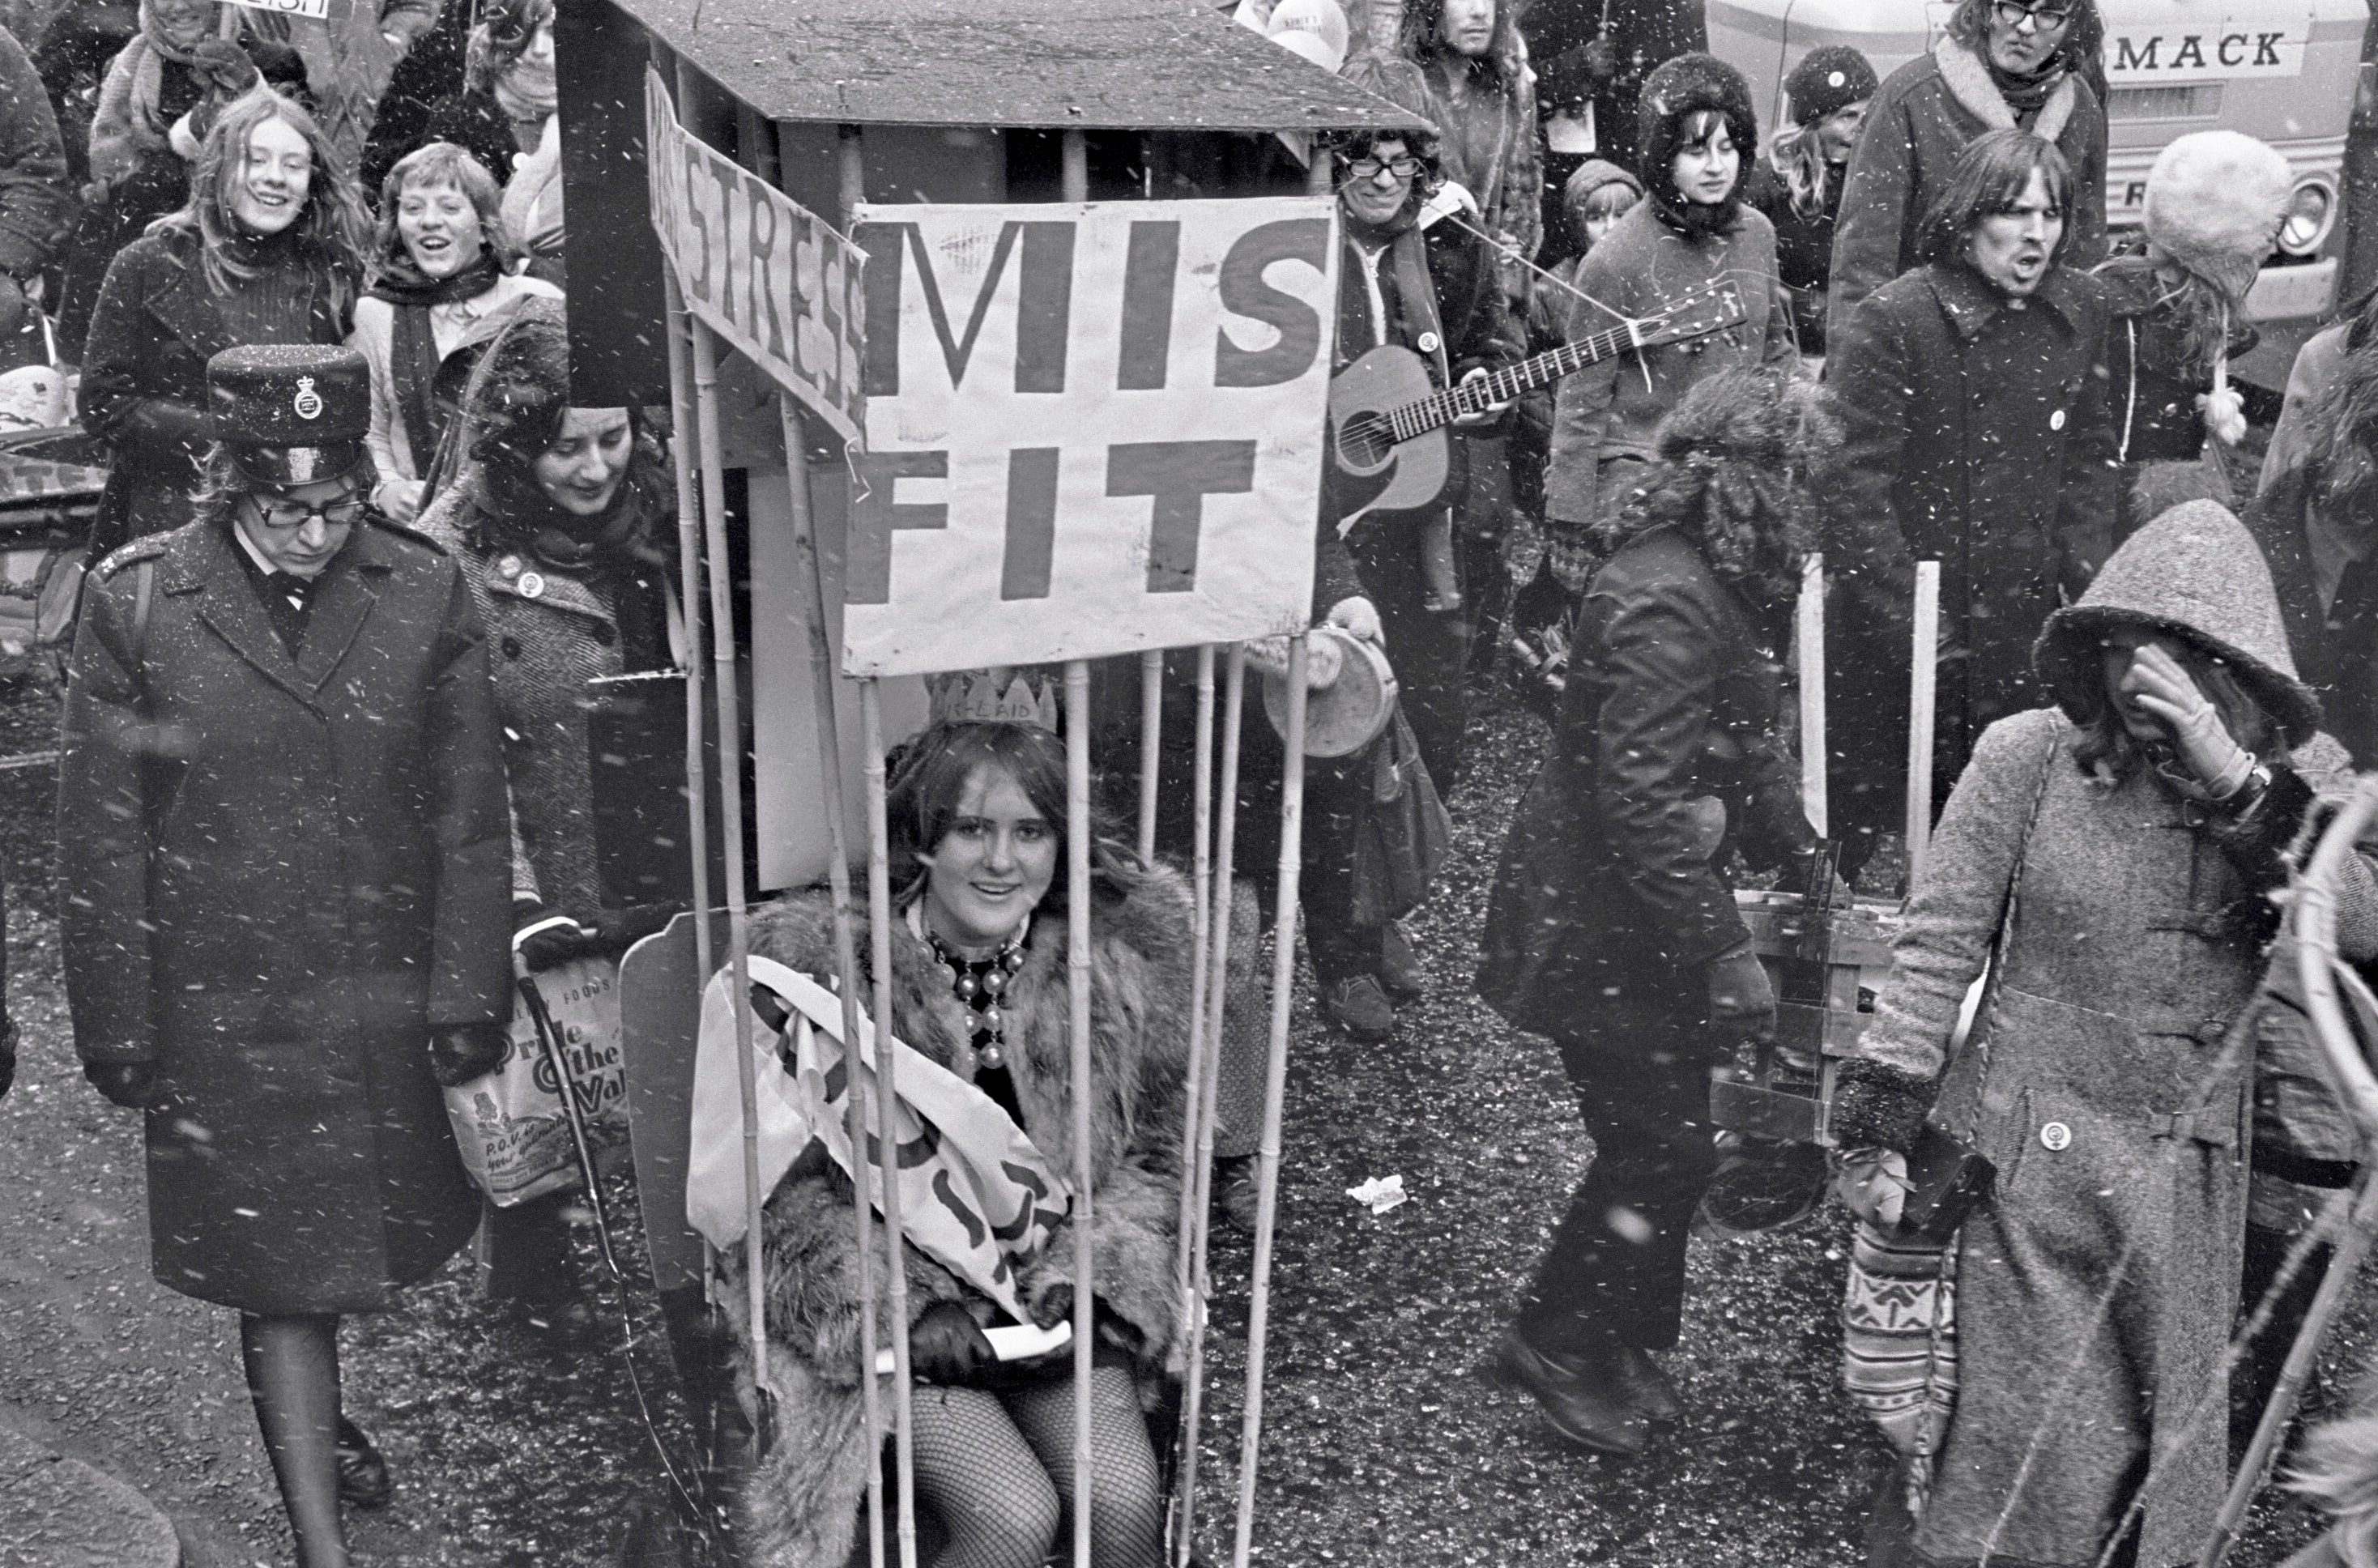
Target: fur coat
[(800, 1505)]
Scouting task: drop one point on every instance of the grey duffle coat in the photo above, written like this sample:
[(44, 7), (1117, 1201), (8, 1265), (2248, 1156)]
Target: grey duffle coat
[(278, 875)]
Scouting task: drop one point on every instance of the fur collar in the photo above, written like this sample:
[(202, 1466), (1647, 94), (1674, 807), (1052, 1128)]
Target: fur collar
[(1967, 79)]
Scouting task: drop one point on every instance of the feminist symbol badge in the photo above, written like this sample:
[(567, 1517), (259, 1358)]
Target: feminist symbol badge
[(307, 403)]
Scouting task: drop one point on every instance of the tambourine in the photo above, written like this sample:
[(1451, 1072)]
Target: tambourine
[(1350, 711)]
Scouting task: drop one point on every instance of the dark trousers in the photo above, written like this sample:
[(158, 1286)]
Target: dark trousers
[(1615, 1268), (1429, 651)]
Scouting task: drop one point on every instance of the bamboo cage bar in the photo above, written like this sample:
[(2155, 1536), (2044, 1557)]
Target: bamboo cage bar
[(1284, 978), (887, 1154), (1201, 875), (690, 589), (1809, 637), (1151, 737), (1923, 677), (846, 945), (1077, 995)]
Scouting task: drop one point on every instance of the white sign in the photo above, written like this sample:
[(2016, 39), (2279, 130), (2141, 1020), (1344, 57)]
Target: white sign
[(1091, 430), (762, 270), (2182, 51), (317, 9)]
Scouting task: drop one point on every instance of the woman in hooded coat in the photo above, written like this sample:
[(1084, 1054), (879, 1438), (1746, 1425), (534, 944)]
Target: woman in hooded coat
[(1799, 187), (979, 945), (2116, 852)]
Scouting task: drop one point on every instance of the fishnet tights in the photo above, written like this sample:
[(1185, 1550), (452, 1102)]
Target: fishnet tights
[(997, 1469)]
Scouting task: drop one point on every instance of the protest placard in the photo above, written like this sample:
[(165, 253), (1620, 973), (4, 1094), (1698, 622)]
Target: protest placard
[(317, 9), (762, 270), (1091, 428)]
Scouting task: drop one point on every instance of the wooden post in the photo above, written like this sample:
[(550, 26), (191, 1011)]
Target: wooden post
[(1923, 686), (846, 945), (1201, 872), (1073, 177), (730, 749), (1077, 991), (689, 568), (1814, 757), (1151, 738), (1283, 980)]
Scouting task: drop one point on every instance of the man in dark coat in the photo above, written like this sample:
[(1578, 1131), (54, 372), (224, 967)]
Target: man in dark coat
[(1976, 435), (1592, 56), (286, 892), (1986, 73), (37, 205)]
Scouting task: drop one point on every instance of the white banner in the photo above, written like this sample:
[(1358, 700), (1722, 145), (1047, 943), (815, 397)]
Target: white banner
[(317, 9), (762, 271), (1091, 430)]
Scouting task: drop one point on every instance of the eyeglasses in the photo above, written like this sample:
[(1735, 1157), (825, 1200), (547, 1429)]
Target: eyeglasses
[(2045, 18), (294, 515), (1368, 168)]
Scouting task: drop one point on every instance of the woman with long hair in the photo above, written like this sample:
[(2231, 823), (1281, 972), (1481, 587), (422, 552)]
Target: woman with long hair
[(1799, 185), (1612, 927), (979, 945), (444, 280), (268, 250), (2110, 860), (562, 520)]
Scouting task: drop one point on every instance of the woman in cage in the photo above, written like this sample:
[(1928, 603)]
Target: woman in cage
[(2113, 859), (976, 814)]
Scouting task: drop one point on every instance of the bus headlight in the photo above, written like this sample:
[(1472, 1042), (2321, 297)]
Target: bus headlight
[(2310, 214)]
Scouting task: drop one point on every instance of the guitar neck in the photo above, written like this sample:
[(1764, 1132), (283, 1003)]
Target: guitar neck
[(1442, 408)]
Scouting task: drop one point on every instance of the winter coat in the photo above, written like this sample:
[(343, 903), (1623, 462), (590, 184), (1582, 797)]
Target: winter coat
[(2097, 1288), (144, 368), (1663, 761), (1614, 409), (2151, 386), (801, 1507), (1645, 33), (349, 58), (137, 122), (465, 326), (2336, 645), (1917, 122), (37, 205), (533, 205), (545, 647), (2317, 365), (1804, 248), (1488, 136), (1974, 434), (278, 876)]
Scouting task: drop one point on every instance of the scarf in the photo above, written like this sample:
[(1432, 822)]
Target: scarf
[(528, 92), (614, 554), (129, 119), (412, 347)]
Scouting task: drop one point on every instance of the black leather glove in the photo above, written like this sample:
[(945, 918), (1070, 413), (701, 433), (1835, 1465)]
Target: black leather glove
[(465, 1051), (227, 65), (132, 1084), (545, 938), (1055, 1306), (946, 1346), (1741, 999)]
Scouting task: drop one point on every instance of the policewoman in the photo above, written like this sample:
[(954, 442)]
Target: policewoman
[(286, 871)]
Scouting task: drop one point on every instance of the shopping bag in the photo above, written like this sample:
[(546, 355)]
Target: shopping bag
[(510, 1123), (1405, 831)]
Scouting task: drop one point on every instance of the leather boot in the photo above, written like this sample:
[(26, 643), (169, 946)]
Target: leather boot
[(1647, 1386), (1583, 1396)]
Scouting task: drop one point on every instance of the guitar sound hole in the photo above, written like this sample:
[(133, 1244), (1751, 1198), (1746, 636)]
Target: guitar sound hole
[(1365, 441)]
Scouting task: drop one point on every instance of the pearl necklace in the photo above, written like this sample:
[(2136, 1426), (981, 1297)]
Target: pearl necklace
[(982, 984)]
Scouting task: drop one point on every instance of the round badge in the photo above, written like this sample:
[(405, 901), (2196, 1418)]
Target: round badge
[(2056, 420), (1835, 79), (1428, 343), (507, 568), (531, 585), (2055, 1137), (307, 403)]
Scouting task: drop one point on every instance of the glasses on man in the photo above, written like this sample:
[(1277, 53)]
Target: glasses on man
[(293, 514), (1368, 168), (2045, 18)]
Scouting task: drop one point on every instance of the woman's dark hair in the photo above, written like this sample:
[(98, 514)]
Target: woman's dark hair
[(1988, 178), (2106, 752), (2341, 435), (2085, 35), (931, 779), (1736, 460), (330, 229)]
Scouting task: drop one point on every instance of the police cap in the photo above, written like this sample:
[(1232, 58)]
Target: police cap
[(291, 413)]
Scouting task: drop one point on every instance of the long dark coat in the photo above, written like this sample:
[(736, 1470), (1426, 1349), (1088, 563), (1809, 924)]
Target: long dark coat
[(144, 378), (1975, 435), (2336, 646), (1661, 762), (278, 877)]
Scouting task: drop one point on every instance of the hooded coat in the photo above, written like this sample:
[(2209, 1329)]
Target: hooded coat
[(801, 1507), (278, 875), (1917, 122), (2097, 1288)]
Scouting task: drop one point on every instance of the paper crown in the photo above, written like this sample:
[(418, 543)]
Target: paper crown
[(1003, 694)]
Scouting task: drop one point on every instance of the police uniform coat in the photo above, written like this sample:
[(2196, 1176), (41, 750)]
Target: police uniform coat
[(280, 874)]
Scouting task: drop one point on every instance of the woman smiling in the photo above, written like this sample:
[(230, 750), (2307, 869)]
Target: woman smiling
[(443, 285)]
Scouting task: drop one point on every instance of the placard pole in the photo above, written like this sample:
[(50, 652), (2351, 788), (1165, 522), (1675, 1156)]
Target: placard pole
[(1814, 757), (690, 590), (1922, 700), (1077, 990), (1283, 981), (1152, 741)]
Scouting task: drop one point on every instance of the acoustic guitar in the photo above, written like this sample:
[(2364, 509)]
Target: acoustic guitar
[(1387, 421)]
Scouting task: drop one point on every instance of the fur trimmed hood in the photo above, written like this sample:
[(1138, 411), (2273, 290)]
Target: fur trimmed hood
[(2214, 204), (1678, 89), (801, 1508)]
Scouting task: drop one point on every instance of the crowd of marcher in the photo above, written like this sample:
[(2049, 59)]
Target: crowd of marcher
[(330, 776)]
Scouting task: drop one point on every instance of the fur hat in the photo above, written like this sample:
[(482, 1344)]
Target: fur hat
[(2215, 203), (1828, 78), (1677, 90)]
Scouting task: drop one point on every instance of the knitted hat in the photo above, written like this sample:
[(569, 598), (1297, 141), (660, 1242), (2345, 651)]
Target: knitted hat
[(1828, 78), (1590, 177), (1677, 90), (2215, 203), (2194, 572)]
